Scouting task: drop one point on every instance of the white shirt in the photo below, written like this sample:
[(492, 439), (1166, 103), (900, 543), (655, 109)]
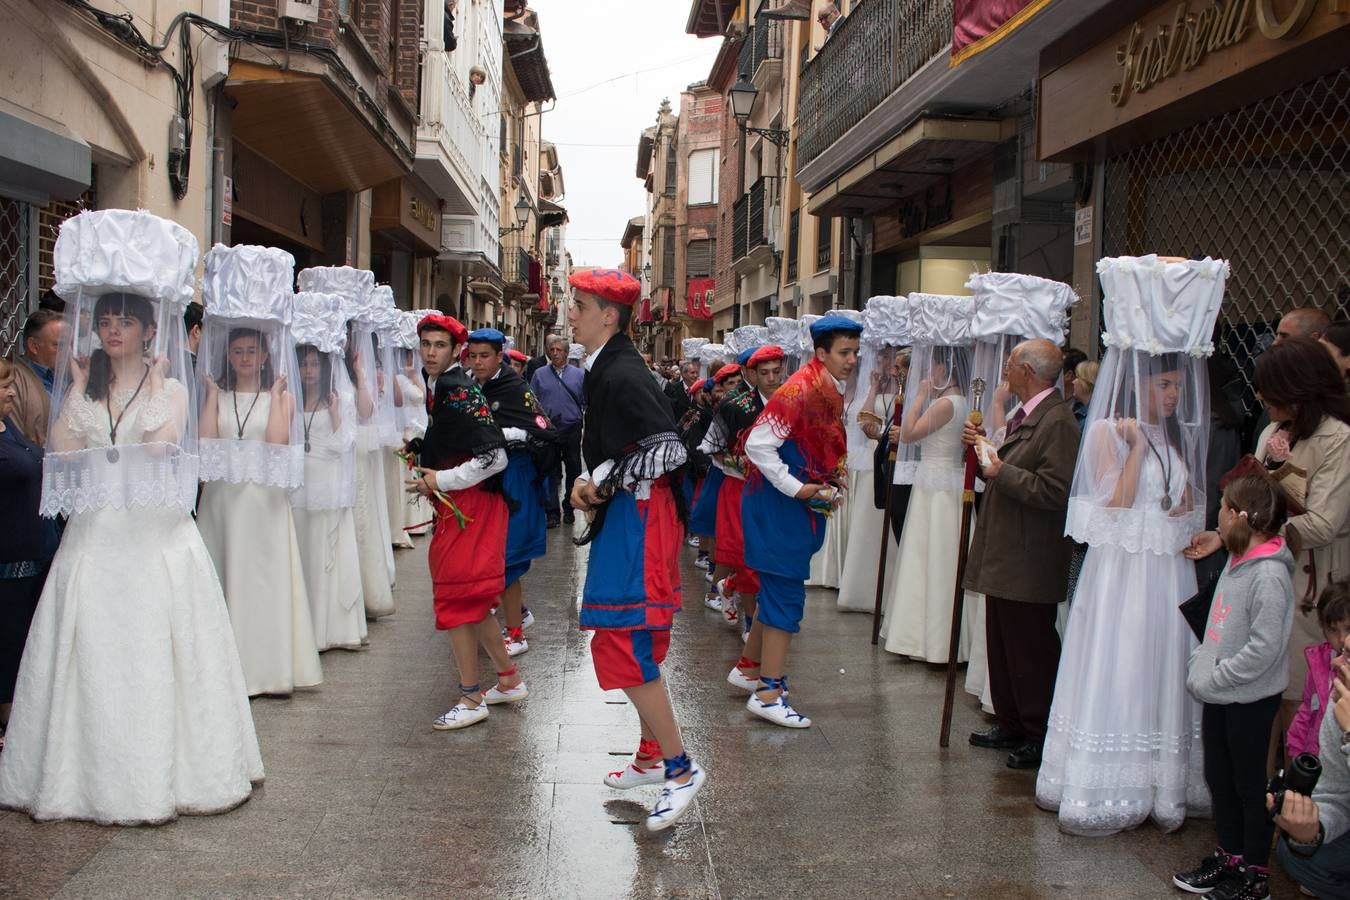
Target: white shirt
[(762, 444)]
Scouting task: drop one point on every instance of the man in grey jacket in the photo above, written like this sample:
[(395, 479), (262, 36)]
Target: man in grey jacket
[(1315, 849)]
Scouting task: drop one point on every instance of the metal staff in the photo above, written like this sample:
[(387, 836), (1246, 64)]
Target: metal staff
[(975, 418), (887, 472)]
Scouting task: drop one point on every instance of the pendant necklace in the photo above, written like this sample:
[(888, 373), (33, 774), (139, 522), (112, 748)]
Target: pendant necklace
[(238, 424), (113, 453), (1167, 470), (310, 424)]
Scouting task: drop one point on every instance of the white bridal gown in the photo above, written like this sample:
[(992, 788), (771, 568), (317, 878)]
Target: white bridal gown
[(1124, 736), (327, 539), (400, 510), (250, 530), (130, 705), (372, 533), (921, 582), (866, 526)]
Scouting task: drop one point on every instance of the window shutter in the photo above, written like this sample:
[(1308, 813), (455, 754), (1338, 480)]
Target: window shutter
[(672, 163), (702, 177), (699, 259), (668, 259)]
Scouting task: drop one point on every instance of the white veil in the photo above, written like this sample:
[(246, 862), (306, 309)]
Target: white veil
[(1151, 401), (329, 429), (123, 426), (786, 333), (940, 365), (354, 286), (885, 331)]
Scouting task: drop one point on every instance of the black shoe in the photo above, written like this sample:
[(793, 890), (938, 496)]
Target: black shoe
[(1213, 871), (568, 517), (1244, 884), (1027, 756), (997, 738)]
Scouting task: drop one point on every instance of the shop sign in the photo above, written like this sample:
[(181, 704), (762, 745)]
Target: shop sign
[(1194, 34), (1082, 226)]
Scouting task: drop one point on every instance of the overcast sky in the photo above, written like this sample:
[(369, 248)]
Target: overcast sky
[(612, 61)]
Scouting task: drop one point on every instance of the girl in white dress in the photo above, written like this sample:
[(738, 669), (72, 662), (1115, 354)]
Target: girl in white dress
[(130, 706), (371, 512), (1123, 743), (324, 523), (885, 330), (252, 458)]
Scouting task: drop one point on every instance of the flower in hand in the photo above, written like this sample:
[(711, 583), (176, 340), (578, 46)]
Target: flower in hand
[(1277, 446)]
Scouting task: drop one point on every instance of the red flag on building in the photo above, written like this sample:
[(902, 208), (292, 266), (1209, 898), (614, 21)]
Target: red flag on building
[(978, 25), (698, 300), (645, 311)]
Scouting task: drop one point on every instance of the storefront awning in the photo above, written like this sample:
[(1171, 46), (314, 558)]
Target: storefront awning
[(40, 158), (305, 127), (928, 150), (551, 214)]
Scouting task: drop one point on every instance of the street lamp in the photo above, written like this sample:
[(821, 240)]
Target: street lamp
[(522, 209), (743, 95), (647, 278)]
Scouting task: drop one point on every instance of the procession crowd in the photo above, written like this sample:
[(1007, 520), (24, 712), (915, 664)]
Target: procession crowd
[(203, 498)]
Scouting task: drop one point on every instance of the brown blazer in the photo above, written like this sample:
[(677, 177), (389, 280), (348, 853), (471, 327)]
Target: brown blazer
[(1019, 551), (32, 405)]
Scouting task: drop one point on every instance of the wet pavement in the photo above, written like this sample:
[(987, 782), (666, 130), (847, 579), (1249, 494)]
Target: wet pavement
[(364, 799)]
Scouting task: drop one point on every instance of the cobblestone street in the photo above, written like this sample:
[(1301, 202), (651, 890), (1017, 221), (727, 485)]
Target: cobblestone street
[(364, 799)]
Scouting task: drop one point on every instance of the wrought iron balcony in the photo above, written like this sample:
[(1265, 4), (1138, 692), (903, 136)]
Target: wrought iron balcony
[(766, 39), (877, 48), (754, 218), (515, 266)]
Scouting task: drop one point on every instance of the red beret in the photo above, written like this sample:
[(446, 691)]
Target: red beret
[(767, 353), (697, 386), (517, 356), (443, 322), (726, 372), (607, 284)]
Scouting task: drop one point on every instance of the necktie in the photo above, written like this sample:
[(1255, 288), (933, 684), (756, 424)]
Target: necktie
[(1017, 419)]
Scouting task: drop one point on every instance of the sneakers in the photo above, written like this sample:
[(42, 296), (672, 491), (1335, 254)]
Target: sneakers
[(497, 694), (692, 540), (713, 601), (703, 562), (634, 776), (460, 716), (516, 644), (1245, 883), (1212, 871), (527, 620), (723, 591), (708, 575), (778, 712), (730, 614), (737, 678), (675, 800)]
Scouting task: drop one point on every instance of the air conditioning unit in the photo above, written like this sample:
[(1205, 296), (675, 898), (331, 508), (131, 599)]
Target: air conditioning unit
[(299, 10)]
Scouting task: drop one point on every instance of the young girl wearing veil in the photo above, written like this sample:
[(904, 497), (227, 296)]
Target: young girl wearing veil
[(130, 706), (252, 458), (932, 458), (1123, 743), (324, 523)]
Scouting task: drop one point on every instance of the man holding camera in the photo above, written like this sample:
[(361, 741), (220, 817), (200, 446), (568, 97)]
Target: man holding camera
[(1315, 849)]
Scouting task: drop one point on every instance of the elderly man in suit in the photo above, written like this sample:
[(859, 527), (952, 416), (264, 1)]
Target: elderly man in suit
[(1019, 556)]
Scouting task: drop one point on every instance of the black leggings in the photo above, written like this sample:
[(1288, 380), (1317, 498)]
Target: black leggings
[(1237, 737)]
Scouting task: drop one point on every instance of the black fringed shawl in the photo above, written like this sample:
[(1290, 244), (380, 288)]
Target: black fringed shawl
[(628, 420), (461, 425), (513, 405)]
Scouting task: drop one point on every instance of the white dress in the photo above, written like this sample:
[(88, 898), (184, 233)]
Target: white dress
[(327, 539), (828, 560), (373, 543), (397, 499), (249, 529), (921, 583), (130, 705), (1124, 735), (866, 526)]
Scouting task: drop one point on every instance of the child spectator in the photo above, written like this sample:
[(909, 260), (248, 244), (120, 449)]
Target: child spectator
[(1333, 614)]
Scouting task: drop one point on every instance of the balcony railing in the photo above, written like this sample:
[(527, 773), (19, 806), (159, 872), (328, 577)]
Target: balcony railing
[(753, 218), (515, 265), (448, 118), (878, 47), (766, 40)]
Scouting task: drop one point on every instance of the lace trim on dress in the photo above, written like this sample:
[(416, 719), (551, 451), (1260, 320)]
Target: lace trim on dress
[(258, 462), (1134, 530), (144, 475)]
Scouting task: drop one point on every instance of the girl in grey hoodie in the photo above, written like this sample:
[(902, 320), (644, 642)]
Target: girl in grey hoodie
[(1239, 672)]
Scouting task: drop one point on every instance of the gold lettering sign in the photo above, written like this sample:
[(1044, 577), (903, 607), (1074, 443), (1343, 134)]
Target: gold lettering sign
[(422, 213), (1146, 59)]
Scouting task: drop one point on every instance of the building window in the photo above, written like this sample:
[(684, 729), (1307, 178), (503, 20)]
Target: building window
[(672, 161), (668, 258), (699, 259), (703, 177), (824, 241), (794, 238)]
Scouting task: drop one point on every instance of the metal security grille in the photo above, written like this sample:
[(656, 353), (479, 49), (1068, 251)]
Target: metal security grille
[(1266, 187), (16, 270)]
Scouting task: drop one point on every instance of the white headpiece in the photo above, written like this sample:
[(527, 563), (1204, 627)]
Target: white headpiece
[(1024, 305), (352, 285), (407, 332), (689, 347), (121, 250), (713, 353), (783, 332), (316, 319), (247, 282), (886, 322), (940, 319), (576, 351), (1161, 307), (747, 337)]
